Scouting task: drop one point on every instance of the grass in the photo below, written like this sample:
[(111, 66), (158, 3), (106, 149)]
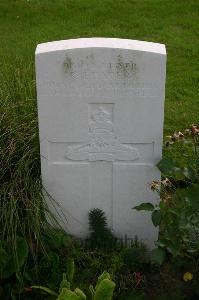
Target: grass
[(21, 203), (24, 24)]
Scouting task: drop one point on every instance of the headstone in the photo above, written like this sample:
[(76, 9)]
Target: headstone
[(100, 107)]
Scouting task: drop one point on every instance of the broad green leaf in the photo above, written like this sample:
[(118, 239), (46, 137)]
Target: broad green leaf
[(80, 294), (156, 217), (169, 167), (104, 290), (144, 206), (166, 165), (67, 294), (157, 256), (104, 275)]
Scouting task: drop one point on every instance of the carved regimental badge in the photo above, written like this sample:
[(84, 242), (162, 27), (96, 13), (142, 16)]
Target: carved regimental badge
[(103, 143)]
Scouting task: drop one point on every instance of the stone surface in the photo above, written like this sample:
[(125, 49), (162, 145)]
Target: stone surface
[(100, 107)]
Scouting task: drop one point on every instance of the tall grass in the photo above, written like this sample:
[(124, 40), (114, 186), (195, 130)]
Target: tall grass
[(23, 210)]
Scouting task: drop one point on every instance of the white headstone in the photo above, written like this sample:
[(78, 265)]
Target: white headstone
[(101, 106)]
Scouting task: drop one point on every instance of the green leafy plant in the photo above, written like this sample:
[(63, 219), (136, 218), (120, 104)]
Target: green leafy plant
[(177, 214), (103, 290), (67, 294)]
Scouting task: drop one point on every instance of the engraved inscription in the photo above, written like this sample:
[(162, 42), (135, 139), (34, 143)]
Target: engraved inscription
[(103, 143)]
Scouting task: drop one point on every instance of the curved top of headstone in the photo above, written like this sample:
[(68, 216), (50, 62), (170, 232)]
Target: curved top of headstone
[(101, 43)]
